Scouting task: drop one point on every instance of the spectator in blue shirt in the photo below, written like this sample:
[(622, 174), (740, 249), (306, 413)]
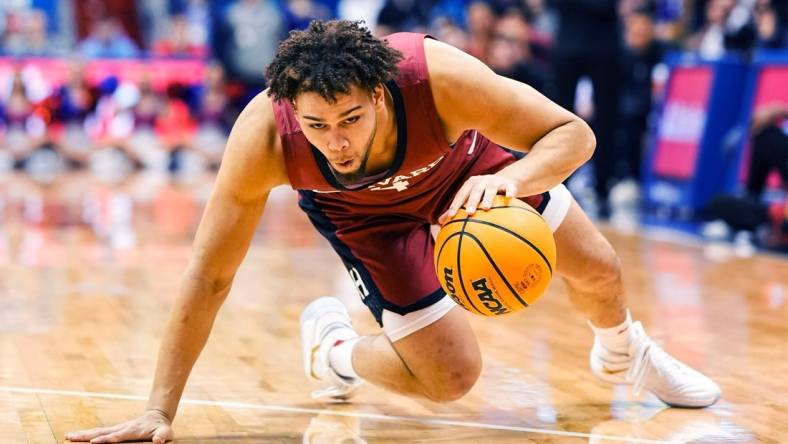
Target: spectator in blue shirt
[(107, 39)]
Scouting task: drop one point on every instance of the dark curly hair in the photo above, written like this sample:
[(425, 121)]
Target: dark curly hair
[(327, 58)]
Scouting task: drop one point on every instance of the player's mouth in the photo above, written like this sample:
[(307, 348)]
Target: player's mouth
[(343, 165)]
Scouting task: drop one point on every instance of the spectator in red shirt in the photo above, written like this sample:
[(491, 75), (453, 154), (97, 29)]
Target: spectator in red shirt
[(178, 42)]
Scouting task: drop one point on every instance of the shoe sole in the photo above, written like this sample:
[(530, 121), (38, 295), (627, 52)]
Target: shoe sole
[(691, 406)]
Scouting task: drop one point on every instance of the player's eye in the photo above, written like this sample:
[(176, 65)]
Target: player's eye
[(351, 120), (317, 126)]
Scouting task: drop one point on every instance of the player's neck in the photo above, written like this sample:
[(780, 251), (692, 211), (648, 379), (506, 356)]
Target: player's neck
[(384, 145)]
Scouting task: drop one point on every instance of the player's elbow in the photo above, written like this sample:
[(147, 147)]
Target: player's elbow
[(586, 140), (212, 285)]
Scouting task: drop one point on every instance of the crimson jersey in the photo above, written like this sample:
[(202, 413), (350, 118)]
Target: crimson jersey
[(381, 230)]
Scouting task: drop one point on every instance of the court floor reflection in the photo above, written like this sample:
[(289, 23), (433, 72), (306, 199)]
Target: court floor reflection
[(88, 271)]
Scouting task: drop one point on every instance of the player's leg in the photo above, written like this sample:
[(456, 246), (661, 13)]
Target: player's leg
[(591, 269), (622, 352), (433, 354), (427, 347), (441, 361), (585, 259), (430, 352)]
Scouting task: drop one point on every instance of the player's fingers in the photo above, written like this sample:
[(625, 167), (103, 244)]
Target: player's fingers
[(511, 190), (105, 439), (87, 435), (119, 436), (460, 198), (474, 197), (489, 195)]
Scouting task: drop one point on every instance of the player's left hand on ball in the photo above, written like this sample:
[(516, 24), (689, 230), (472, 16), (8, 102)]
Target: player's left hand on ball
[(478, 192)]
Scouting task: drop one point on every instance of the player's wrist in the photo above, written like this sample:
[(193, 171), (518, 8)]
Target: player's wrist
[(159, 413), (514, 178)]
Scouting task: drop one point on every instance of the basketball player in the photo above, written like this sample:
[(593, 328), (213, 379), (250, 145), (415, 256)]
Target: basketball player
[(384, 138)]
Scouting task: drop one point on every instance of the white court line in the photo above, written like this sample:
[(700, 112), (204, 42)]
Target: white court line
[(278, 408)]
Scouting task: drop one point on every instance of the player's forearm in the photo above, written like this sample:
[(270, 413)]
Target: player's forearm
[(185, 335), (552, 159)]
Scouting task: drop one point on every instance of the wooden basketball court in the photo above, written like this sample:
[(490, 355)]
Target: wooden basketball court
[(88, 271)]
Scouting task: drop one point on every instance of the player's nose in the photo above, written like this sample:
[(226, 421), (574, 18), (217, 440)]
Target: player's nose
[(338, 142)]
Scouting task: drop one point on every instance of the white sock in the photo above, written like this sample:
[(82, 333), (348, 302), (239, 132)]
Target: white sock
[(615, 339), (340, 358)]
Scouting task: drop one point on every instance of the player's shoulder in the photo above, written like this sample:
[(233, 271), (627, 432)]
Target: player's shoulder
[(458, 82), (445, 62), (254, 141), (258, 118), (255, 128)]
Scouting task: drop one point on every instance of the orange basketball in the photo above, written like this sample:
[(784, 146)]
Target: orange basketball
[(498, 261)]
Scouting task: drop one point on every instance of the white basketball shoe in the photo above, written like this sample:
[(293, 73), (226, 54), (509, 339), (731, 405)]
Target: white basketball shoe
[(324, 323), (648, 366)]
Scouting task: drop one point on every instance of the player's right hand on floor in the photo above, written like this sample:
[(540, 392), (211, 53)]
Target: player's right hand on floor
[(153, 425)]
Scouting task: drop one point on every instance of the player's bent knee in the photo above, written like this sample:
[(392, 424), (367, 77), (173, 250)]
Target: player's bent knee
[(609, 270), (444, 356), (456, 383), (602, 273)]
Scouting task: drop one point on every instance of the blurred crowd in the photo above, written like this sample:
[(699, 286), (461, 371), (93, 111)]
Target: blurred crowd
[(600, 58)]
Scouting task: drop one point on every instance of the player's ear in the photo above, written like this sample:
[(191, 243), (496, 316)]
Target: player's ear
[(379, 96)]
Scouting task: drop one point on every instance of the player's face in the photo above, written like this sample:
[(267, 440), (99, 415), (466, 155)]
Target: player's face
[(344, 130)]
